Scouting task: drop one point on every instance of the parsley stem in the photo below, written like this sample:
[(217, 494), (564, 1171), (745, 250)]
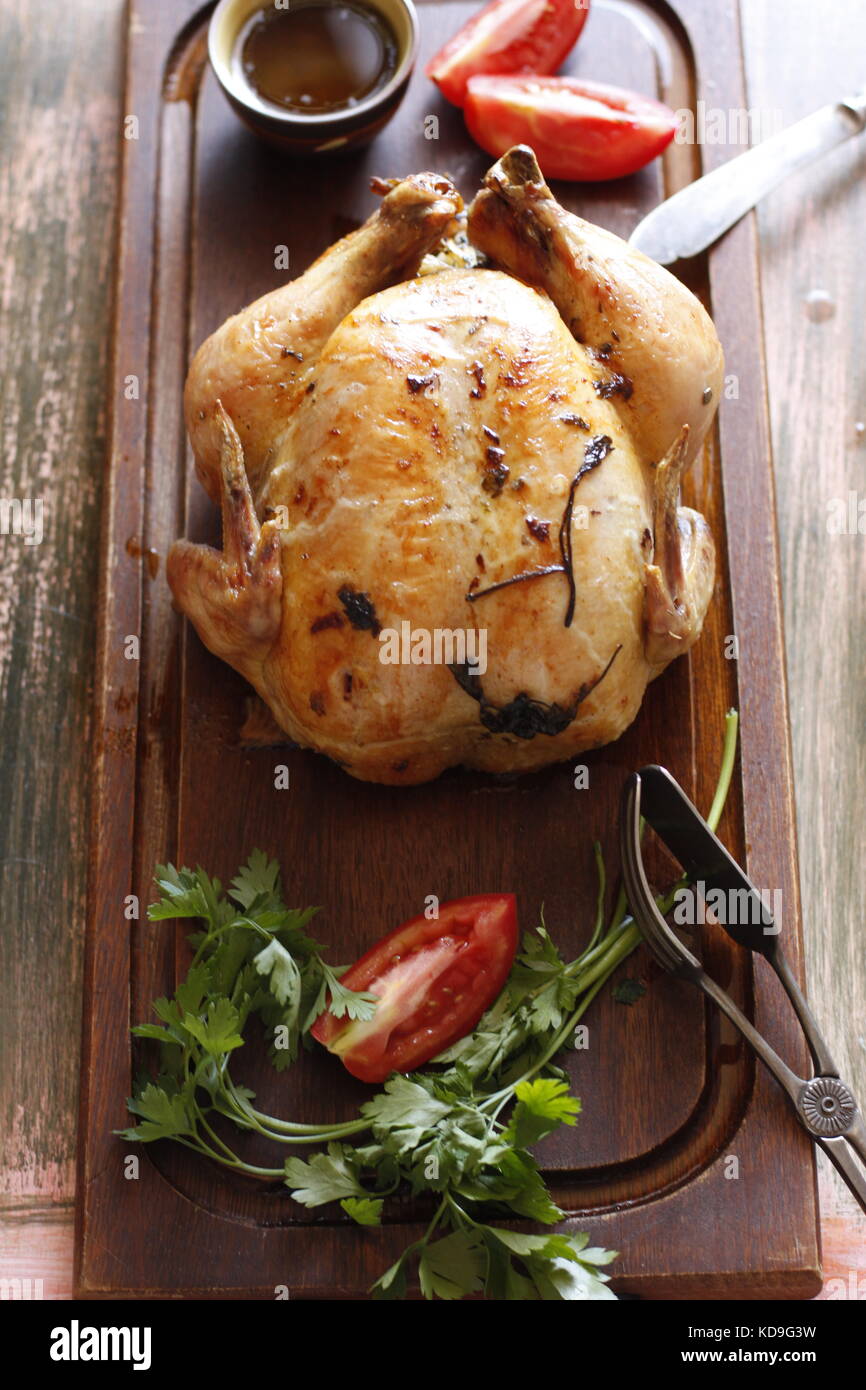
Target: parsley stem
[(597, 977), (212, 933), (619, 910), (726, 772), (199, 1146), (578, 966), (614, 952), (602, 885), (595, 966), (210, 1130), (437, 1217), (618, 923), (288, 1131)]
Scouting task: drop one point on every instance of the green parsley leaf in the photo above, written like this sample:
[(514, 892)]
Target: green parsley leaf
[(327, 1177), (258, 880), (569, 1280), (393, 1283), (504, 1280), (530, 1196), (218, 1031), (404, 1104), (452, 1267), (542, 1105), (367, 1211), (152, 1030), (163, 1116), (192, 991), (279, 966), (358, 1005), (185, 894)]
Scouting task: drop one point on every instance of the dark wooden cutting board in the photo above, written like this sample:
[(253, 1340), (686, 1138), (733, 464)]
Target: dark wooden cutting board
[(669, 1095)]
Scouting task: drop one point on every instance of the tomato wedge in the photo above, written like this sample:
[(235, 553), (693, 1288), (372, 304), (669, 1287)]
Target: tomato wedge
[(432, 979), (578, 130), (508, 36)]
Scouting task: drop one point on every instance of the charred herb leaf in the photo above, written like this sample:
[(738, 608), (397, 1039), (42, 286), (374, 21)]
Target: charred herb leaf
[(628, 991)]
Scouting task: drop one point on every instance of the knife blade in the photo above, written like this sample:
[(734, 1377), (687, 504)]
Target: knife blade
[(694, 218)]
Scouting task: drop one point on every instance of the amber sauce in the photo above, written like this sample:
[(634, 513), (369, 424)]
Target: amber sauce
[(316, 57)]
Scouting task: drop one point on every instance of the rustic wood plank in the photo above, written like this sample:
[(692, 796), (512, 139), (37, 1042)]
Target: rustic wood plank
[(59, 110), (36, 1252), (814, 313)]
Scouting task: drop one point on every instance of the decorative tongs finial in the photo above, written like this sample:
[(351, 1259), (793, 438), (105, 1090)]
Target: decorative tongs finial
[(823, 1103)]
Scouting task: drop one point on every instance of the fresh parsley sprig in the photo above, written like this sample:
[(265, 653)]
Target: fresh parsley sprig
[(443, 1131), (252, 957)]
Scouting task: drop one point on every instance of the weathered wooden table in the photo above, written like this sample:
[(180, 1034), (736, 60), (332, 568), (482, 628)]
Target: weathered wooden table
[(61, 114)]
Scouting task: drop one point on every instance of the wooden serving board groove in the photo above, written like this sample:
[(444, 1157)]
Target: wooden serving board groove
[(670, 1096)]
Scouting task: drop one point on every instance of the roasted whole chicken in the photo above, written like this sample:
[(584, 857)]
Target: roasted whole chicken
[(450, 501)]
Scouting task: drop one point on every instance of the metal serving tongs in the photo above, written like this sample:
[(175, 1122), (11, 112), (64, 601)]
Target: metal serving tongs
[(823, 1104)]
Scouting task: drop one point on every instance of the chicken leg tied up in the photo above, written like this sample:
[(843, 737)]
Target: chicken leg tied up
[(655, 348), (247, 380), (260, 362), (658, 359)]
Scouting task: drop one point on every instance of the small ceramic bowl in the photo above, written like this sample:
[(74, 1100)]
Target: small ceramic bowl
[(292, 131)]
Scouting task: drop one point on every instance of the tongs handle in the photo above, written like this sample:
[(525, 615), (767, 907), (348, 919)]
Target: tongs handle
[(839, 1151), (823, 1104), (817, 1046), (856, 1137), (787, 1079), (801, 1093)]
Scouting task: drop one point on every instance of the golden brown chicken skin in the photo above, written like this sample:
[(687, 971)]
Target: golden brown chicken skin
[(398, 456)]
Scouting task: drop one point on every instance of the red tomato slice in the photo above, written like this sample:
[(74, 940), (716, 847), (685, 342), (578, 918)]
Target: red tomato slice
[(508, 36), (578, 130), (432, 979)]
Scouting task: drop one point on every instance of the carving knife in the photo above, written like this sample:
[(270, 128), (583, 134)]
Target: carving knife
[(697, 216)]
